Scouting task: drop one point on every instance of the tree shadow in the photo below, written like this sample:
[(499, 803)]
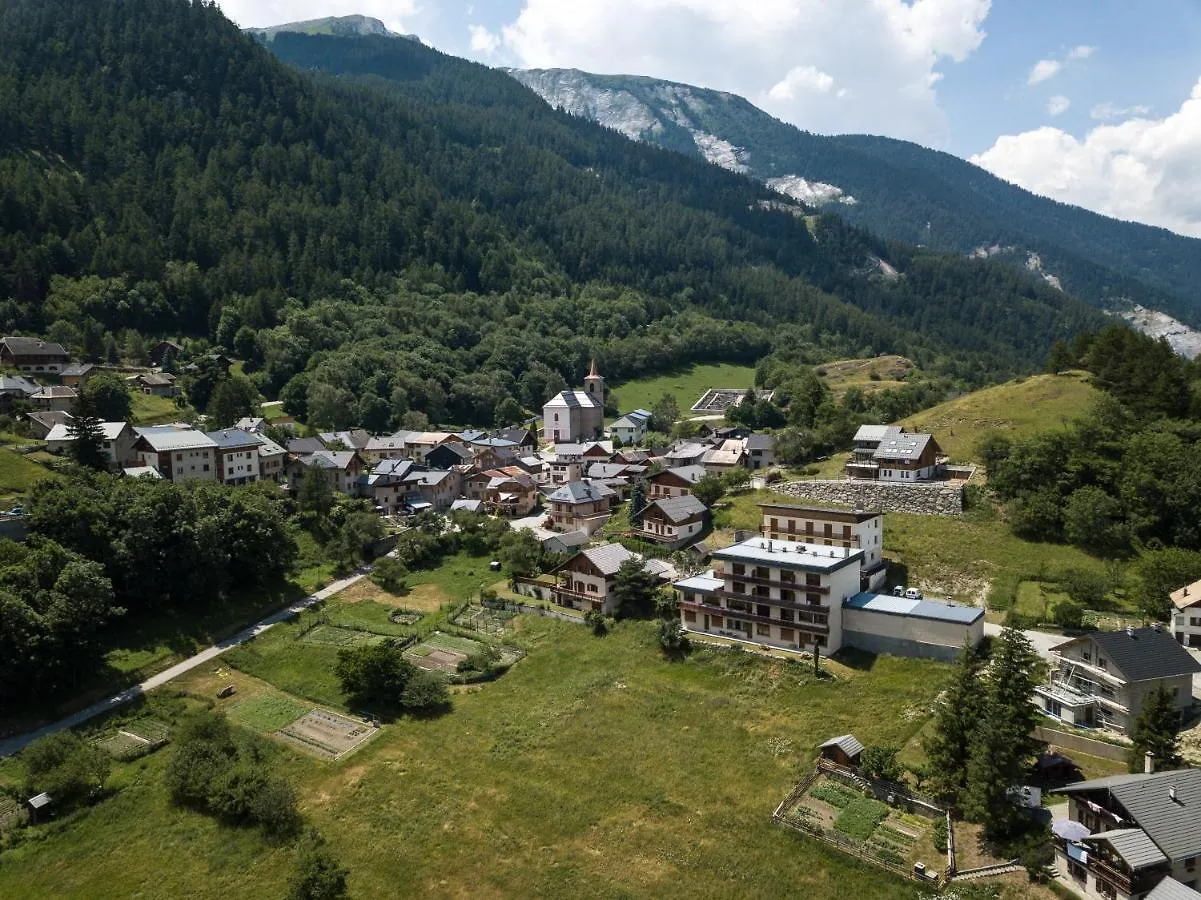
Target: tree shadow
[(853, 658)]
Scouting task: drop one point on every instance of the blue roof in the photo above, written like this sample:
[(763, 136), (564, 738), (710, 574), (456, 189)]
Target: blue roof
[(918, 609)]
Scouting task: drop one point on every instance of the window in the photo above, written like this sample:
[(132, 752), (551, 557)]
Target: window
[(689, 617), (592, 588), (179, 457), (786, 615), (1194, 622), (762, 572), (206, 467), (788, 596), (774, 525), (739, 587), (813, 599), (739, 569), (787, 634), (813, 580), (764, 611), (763, 630)]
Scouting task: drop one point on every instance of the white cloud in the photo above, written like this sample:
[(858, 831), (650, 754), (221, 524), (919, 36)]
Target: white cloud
[(483, 40), (1044, 69), (1083, 51), (855, 65), (260, 13), (1105, 111), (1144, 170), (1058, 105)]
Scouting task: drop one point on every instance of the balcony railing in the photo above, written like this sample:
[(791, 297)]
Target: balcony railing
[(810, 627), (797, 586)]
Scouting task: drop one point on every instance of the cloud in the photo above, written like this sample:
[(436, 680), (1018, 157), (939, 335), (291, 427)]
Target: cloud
[(1144, 170), (1083, 51), (260, 13), (1058, 105), (483, 40), (855, 65), (1108, 110), (1044, 69)]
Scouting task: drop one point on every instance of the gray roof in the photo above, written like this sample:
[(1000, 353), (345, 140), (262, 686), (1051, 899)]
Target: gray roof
[(680, 509), (639, 418), (231, 438), (691, 474), (568, 539), (31, 346), (847, 743), (872, 434), (468, 505), (581, 492), (1141, 653), (917, 609), (142, 472), (39, 800), (517, 435), (760, 441), (75, 369), (789, 555), (50, 418), (608, 557), (1133, 845), (167, 438), (902, 446), (18, 384), (305, 445), (331, 459), (1171, 889), (56, 390), (1170, 823)]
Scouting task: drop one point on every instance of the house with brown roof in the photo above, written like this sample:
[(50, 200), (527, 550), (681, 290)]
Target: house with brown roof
[(156, 384), (55, 398), (580, 506), (673, 521), (162, 350), (1186, 615), (31, 354), (677, 482), (586, 580)]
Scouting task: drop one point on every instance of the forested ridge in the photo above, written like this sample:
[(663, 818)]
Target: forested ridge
[(420, 233), (907, 192)]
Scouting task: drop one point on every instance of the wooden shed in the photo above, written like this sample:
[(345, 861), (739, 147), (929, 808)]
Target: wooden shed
[(844, 750)]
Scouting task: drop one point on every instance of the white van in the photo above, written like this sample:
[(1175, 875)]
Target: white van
[(913, 594), (899, 591)]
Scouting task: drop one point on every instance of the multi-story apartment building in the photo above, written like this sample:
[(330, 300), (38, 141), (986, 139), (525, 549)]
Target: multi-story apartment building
[(179, 454), (1186, 615), (237, 455), (1103, 678), (1126, 835), (832, 528), (774, 592)]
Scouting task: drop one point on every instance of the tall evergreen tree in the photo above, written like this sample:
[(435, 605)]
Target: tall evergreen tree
[(957, 714), (87, 434), (634, 590), (1155, 731), (637, 502)]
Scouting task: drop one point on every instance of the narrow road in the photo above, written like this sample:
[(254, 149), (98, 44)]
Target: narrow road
[(1042, 641), (16, 744)]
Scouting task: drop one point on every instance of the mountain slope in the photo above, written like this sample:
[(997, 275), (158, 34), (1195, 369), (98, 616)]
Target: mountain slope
[(897, 189), (340, 25)]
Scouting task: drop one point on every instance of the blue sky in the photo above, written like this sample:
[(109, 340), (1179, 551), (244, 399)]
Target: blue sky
[(1107, 121)]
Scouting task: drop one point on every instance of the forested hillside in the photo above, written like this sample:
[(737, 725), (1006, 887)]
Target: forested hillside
[(427, 236), (900, 190)]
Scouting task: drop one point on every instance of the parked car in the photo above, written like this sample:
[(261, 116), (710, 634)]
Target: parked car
[(913, 594), (899, 591)]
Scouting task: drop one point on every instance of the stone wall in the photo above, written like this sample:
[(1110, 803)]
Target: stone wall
[(938, 499)]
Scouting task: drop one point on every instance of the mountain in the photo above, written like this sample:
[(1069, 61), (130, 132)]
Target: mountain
[(896, 189), (380, 230), (343, 26)]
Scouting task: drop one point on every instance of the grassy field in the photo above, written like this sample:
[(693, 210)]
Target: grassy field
[(18, 473), (686, 386), (847, 373), (593, 769), (1016, 409), (151, 410)]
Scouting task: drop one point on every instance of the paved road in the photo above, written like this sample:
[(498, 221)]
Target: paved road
[(1042, 641), (13, 745)]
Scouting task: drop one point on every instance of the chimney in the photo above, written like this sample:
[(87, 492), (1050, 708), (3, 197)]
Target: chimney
[(1129, 631), (1172, 793), (1148, 763)]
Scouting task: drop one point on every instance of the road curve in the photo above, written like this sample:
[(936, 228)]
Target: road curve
[(12, 745)]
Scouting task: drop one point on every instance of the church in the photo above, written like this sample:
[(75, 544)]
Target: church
[(573, 416)]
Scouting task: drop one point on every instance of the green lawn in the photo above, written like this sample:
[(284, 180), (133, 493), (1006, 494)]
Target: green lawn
[(686, 386), (594, 768), (267, 713), (151, 410), (459, 577), (18, 474)]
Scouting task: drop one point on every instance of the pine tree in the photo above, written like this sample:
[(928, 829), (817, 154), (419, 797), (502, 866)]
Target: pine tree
[(1002, 747), (634, 590), (87, 434), (956, 717), (1155, 731), (637, 502)]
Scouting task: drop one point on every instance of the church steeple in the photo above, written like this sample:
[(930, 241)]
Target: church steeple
[(594, 384), (594, 373)]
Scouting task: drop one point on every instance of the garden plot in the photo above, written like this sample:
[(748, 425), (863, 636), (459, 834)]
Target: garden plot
[(12, 813), (718, 400), (486, 620), (334, 636), (134, 739), (326, 734)]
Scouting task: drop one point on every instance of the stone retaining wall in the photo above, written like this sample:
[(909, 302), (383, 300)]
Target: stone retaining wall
[(939, 499)]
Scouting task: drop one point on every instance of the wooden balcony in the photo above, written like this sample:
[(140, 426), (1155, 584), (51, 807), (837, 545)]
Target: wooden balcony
[(706, 609)]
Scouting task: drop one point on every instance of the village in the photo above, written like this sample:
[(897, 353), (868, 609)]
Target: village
[(811, 581)]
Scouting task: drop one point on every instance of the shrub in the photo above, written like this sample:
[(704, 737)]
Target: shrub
[(390, 574), (940, 835), (425, 693), (860, 818), (1067, 614), (66, 767), (671, 637), (595, 619), (318, 875)]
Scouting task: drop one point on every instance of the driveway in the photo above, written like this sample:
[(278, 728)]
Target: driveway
[(1042, 641), (16, 744)]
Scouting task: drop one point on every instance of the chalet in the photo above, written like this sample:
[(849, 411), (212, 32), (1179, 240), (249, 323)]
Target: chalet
[(117, 443), (832, 528), (510, 492), (761, 451), (445, 456), (728, 455), (887, 453), (526, 439), (438, 488), (16, 388), (179, 454), (1103, 678), (42, 423), (845, 750), (342, 467), (354, 439), (392, 484), (156, 384), (602, 471), (586, 580), (501, 450), (632, 427), (567, 542), (272, 459), (377, 449), (76, 375), (33, 355), (418, 444), (580, 506), (572, 460), (1186, 615), (253, 424), (55, 398), (1126, 835), (688, 453), (306, 446), (673, 521), (534, 466), (677, 482), (237, 455), (470, 506), (164, 350)]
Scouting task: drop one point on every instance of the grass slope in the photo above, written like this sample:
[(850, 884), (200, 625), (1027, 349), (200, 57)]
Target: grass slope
[(1016, 409), (847, 373), (593, 769), (148, 409), (686, 386)]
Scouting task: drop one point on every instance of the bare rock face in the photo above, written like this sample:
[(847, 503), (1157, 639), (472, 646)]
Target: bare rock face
[(1184, 340)]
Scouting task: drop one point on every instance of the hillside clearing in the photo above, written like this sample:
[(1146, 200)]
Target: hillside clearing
[(847, 373), (686, 385)]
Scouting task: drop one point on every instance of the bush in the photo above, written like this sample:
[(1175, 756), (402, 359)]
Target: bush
[(671, 637), (940, 835), (426, 693), (318, 875), (595, 619), (66, 767), (1067, 614), (390, 574)]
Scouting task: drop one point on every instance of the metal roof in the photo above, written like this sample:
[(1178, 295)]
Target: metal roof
[(232, 437), (31, 346), (1171, 889), (789, 555), (608, 557), (176, 439), (1133, 845), (572, 399), (705, 583), (1141, 653), (847, 743), (679, 509), (468, 505), (870, 434), (1172, 823), (902, 446), (917, 609), (636, 419), (18, 383), (569, 538), (581, 492), (691, 474), (142, 472), (62, 432)]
